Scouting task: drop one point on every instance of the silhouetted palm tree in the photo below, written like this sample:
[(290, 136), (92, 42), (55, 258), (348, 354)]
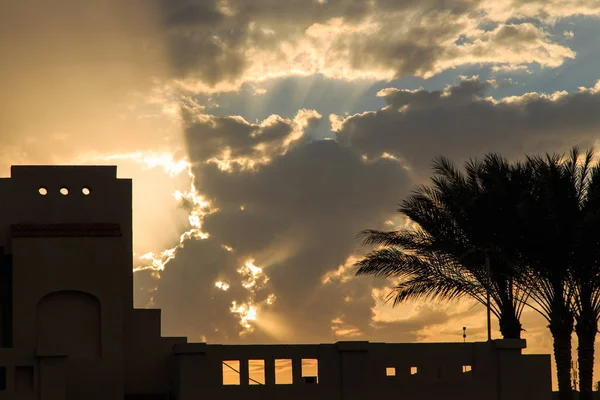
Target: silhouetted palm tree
[(549, 215), (537, 222), (562, 215), (572, 191), (461, 219)]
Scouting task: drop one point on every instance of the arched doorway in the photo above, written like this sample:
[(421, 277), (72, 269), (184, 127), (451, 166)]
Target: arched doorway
[(68, 323)]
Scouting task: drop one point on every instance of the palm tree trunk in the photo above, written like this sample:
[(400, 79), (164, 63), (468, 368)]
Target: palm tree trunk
[(586, 334), (510, 326), (561, 329)]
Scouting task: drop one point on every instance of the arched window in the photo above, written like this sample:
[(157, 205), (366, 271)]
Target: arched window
[(68, 323)]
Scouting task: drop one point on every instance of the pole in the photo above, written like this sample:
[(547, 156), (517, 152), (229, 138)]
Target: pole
[(488, 305)]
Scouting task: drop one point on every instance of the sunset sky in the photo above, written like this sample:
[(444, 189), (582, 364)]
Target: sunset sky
[(263, 135)]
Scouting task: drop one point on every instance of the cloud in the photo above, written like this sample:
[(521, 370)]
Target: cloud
[(295, 206), (508, 44), (296, 216), (350, 40), (296, 213), (461, 122), (232, 142), (191, 303), (546, 10), (108, 76)]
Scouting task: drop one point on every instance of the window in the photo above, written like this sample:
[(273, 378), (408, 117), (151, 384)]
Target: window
[(390, 371), (440, 372), (24, 378), (414, 370), (2, 378), (466, 368), (283, 372), (256, 372), (310, 370), (231, 372)]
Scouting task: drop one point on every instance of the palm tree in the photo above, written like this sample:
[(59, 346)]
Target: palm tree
[(546, 244), (584, 189), (445, 256), (522, 216), (586, 279), (564, 214)]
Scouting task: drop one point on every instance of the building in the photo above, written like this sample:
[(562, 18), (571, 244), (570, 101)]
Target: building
[(69, 329)]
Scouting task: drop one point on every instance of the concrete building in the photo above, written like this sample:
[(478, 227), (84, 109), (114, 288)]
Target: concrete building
[(69, 329)]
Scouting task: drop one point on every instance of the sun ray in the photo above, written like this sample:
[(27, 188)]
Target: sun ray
[(197, 206)]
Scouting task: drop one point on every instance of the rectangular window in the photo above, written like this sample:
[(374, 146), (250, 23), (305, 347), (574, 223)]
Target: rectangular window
[(256, 372), (440, 372), (24, 378), (466, 368), (283, 372), (2, 378), (390, 371), (310, 370), (414, 370), (231, 372)]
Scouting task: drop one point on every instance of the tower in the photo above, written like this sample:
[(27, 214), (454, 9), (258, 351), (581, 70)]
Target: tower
[(67, 232)]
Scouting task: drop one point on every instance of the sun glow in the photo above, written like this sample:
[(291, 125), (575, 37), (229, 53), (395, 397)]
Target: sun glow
[(247, 312), (225, 161), (222, 285), (195, 203), (253, 280), (342, 274), (252, 274)]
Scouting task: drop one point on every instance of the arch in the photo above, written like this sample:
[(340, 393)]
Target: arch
[(68, 323)]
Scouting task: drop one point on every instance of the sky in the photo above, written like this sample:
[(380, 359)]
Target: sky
[(263, 135)]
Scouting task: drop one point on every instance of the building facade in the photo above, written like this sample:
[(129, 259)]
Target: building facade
[(69, 330)]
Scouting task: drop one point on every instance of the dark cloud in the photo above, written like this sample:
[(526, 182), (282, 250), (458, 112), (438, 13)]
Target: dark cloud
[(300, 215), (209, 136), (461, 123), (182, 13), (321, 195), (297, 214), (191, 303), (218, 42)]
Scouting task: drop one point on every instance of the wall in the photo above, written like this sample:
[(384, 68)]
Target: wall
[(71, 279), (357, 370)]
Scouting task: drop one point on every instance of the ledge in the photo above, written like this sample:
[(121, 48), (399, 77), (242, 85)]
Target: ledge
[(510, 343), (65, 230), (50, 355), (352, 346), (189, 348), (178, 339)]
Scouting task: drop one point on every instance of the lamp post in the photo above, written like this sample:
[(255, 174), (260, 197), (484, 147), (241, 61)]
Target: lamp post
[(488, 299)]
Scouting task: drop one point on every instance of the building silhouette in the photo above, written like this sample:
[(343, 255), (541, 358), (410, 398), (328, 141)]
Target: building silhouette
[(69, 329)]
